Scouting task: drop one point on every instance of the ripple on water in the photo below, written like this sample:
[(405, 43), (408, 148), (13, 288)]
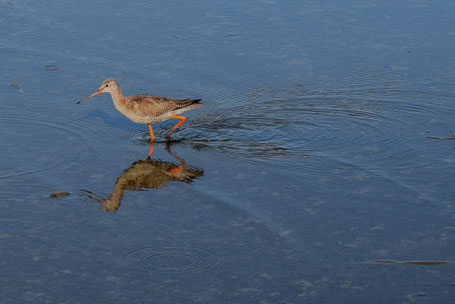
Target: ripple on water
[(27, 208), (52, 67), (169, 259), (42, 145), (142, 137), (367, 123)]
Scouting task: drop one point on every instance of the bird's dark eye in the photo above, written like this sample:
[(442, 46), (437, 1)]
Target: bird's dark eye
[(106, 85)]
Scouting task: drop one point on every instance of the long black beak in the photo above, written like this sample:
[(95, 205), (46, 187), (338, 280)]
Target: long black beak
[(90, 96)]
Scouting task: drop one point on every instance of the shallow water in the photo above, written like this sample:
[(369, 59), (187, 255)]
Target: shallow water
[(309, 176)]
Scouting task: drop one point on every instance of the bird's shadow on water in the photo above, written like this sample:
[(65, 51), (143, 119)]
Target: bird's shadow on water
[(143, 175), (141, 136), (138, 133), (203, 135), (114, 122)]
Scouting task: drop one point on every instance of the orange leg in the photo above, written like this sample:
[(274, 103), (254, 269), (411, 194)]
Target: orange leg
[(182, 120)]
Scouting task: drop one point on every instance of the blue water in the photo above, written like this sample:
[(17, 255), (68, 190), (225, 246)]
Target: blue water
[(320, 164)]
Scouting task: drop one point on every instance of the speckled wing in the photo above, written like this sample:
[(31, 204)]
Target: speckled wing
[(151, 105), (156, 106)]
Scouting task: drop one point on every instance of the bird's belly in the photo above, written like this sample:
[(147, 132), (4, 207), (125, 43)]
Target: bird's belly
[(145, 119), (141, 119)]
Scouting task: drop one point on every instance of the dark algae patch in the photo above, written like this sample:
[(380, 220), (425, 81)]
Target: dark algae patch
[(59, 194)]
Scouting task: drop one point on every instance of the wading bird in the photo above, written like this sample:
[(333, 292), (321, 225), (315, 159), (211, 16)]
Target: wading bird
[(147, 109)]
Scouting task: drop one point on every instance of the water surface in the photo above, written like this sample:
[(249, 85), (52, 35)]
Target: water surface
[(309, 176)]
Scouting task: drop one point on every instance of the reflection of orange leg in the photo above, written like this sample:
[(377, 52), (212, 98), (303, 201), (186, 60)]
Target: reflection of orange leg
[(152, 137), (151, 149), (182, 120), (179, 168)]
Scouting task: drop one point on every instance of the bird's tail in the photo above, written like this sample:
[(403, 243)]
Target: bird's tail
[(189, 103)]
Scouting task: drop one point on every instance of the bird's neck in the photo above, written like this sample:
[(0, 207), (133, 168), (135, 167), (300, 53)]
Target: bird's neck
[(116, 94)]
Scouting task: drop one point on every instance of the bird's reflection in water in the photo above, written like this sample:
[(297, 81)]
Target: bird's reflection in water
[(146, 174)]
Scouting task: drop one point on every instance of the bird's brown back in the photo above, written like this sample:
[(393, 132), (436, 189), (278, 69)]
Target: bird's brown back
[(154, 105)]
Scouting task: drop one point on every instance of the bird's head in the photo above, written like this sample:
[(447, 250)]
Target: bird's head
[(106, 87)]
